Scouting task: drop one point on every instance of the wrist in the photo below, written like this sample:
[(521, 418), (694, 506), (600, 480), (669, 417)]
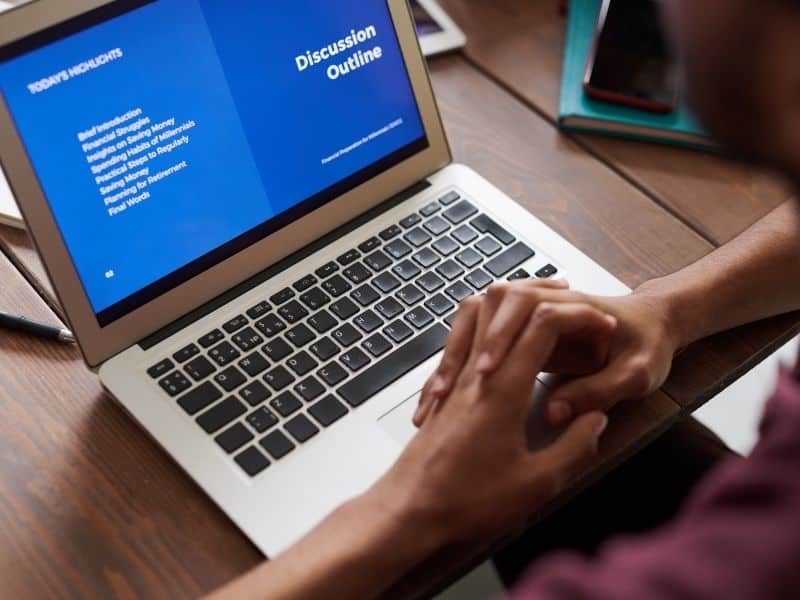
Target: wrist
[(671, 309)]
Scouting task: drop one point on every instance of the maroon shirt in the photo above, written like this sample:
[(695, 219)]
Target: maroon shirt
[(738, 536)]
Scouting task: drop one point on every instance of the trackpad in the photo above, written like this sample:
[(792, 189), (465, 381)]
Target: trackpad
[(397, 423)]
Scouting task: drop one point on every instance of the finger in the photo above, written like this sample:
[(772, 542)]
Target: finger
[(491, 302), (619, 381), (513, 314), (459, 344), (571, 454)]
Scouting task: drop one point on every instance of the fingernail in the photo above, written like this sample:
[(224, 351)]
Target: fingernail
[(601, 424), (612, 320), (562, 282), (438, 386), (484, 362), (560, 412)]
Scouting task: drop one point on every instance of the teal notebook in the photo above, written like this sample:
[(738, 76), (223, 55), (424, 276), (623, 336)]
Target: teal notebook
[(578, 112)]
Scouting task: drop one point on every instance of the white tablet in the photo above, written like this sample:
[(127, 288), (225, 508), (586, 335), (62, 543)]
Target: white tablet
[(436, 30)]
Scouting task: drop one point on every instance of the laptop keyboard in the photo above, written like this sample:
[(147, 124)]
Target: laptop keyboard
[(271, 379)]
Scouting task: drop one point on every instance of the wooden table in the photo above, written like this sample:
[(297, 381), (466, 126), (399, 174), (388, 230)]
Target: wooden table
[(92, 507)]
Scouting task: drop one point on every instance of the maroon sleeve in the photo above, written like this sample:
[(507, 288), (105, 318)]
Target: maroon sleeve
[(737, 537)]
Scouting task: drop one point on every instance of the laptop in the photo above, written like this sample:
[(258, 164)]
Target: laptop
[(251, 218)]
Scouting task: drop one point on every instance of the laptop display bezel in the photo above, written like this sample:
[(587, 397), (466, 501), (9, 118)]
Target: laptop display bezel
[(100, 343)]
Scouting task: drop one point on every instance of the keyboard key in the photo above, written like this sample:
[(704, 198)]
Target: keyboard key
[(546, 272), (277, 349), (450, 270), (175, 383), (327, 411), (369, 245), (160, 369), (259, 310), (325, 349), (430, 282), (465, 234), (357, 273), (519, 274), (247, 339), (235, 324), (469, 258), (306, 282), (186, 353), (445, 246), (199, 368), (389, 308), (301, 428), (199, 398), (419, 317), (286, 404), (451, 318), (365, 295), (254, 364), (262, 419), (437, 226), (406, 270), (349, 257), (254, 393), (488, 246), (211, 338), (270, 325), (310, 389), (426, 258), (417, 237), (327, 270), (478, 279), (386, 282), (392, 367), (410, 221), (279, 378), (449, 198), (252, 461), (390, 232), (398, 331), (511, 258), (354, 359), (377, 345), (300, 336), (344, 308), (459, 291), (302, 363), (322, 321), (439, 305), (293, 312), (220, 415), (398, 249), (460, 212), (234, 438), (224, 354), (284, 295), (484, 224), (230, 379), (315, 299), (336, 286), (332, 373), (277, 445), (368, 321), (430, 209), (346, 335), (410, 295), (378, 261)]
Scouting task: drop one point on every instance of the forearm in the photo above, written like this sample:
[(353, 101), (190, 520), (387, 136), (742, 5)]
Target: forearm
[(356, 552), (756, 275)]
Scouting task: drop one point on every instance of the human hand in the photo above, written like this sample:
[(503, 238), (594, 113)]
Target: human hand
[(468, 472), (629, 361)]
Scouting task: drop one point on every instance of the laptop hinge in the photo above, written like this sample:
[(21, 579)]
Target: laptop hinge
[(288, 262)]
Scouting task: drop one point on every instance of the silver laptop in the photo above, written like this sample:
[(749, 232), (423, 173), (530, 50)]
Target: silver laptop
[(251, 218)]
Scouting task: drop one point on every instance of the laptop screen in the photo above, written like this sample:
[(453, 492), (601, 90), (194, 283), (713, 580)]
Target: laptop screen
[(168, 135)]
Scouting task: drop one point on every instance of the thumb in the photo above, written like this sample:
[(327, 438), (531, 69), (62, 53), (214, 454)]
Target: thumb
[(573, 451), (599, 392)]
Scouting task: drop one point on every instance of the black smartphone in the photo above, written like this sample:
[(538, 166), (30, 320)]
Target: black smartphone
[(630, 62)]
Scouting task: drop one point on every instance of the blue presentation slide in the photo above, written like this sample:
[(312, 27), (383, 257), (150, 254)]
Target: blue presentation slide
[(166, 132)]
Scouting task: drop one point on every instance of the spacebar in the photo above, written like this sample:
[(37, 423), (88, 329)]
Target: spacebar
[(393, 367)]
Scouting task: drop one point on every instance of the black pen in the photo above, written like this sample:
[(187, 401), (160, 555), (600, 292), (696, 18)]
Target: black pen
[(47, 332)]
